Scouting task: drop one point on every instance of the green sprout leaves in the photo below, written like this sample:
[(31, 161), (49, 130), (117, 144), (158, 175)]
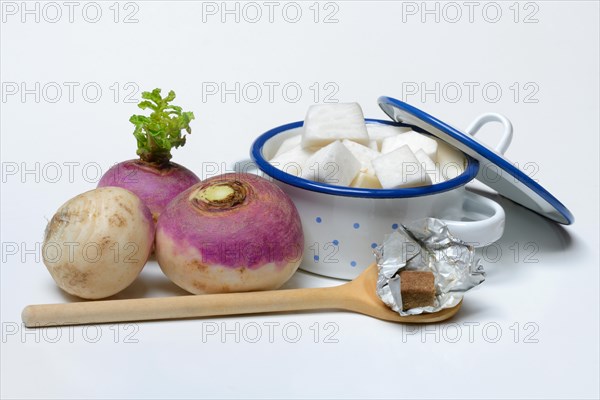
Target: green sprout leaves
[(161, 131)]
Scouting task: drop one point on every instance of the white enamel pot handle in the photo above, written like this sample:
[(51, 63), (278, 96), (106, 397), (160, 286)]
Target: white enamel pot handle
[(483, 222), (484, 219)]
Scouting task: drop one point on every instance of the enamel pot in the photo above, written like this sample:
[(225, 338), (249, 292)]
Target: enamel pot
[(342, 225)]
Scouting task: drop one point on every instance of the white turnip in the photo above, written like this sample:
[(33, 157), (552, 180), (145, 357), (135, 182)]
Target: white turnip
[(98, 242)]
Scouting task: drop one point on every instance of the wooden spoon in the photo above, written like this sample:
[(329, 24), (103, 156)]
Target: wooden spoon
[(358, 295)]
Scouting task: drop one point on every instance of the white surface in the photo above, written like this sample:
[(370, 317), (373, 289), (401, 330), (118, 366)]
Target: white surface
[(546, 276)]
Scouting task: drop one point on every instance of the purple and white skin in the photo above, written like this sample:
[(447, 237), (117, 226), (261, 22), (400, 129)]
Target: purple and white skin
[(231, 233), (153, 177), (156, 186)]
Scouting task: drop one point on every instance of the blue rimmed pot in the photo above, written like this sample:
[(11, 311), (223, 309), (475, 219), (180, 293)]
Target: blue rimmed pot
[(342, 225)]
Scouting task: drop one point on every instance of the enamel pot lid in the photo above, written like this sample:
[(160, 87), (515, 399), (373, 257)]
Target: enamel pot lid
[(495, 170)]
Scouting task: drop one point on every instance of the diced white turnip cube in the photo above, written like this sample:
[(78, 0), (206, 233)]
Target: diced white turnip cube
[(288, 144), (366, 181), (326, 123), (429, 166), (333, 164), (400, 169), (363, 154), (373, 145), (292, 161), (378, 132), (412, 139), (451, 161)]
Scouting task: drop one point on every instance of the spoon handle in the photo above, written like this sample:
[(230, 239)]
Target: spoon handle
[(110, 311)]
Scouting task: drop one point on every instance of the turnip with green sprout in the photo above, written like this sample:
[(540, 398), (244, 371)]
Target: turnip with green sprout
[(153, 177)]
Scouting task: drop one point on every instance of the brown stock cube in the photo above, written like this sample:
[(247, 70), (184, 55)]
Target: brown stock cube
[(417, 289)]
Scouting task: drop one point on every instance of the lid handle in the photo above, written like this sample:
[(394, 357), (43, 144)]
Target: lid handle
[(507, 135)]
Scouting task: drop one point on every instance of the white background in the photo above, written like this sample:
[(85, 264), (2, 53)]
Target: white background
[(530, 330)]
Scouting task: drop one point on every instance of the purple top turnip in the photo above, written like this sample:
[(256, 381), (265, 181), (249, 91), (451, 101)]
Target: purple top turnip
[(153, 177), (235, 232)]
